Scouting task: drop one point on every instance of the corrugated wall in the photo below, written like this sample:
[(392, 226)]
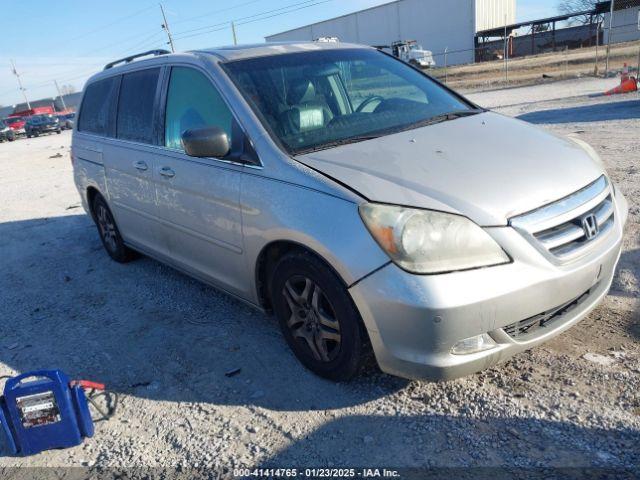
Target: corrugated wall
[(436, 24), (493, 13), (625, 25)]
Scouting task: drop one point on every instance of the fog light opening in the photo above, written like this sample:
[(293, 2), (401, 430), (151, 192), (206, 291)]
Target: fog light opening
[(476, 344)]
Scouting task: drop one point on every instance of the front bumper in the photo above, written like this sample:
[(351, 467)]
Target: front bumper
[(414, 320)]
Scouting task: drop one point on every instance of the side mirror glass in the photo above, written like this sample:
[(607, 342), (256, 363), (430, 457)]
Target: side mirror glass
[(206, 142)]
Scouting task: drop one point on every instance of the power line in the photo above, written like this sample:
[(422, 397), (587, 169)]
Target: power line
[(215, 12), (115, 22), (306, 3), (251, 18), (153, 38)]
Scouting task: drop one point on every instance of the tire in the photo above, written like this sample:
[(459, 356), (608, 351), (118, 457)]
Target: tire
[(109, 233), (326, 333), (58, 131)]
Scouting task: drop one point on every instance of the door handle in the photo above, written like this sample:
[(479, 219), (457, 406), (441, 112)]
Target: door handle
[(167, 172), (140, 165)]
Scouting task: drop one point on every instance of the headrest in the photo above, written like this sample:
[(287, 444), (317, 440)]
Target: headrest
[(306, 118), (301, 91)]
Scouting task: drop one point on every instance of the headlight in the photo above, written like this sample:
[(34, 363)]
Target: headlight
[(425, 241)]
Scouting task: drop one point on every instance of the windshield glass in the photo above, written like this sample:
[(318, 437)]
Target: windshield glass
[(315, 100), (11, 121)]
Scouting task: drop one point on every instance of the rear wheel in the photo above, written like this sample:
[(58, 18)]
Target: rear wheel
[(109, 233), (317, 317)]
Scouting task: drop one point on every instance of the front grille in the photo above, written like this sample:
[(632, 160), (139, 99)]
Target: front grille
[(539, 324), (565, 229)]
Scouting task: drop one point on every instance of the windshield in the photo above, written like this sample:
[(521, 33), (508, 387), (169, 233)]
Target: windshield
[(315, 100), (11, 121)]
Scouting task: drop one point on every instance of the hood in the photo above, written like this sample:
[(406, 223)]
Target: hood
[(420, 54), (487, 167)]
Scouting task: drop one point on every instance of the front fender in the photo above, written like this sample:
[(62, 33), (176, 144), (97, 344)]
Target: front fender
[(331, 227)]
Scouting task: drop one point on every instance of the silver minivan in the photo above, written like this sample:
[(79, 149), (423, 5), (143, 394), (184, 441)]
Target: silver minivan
[(370, 208)]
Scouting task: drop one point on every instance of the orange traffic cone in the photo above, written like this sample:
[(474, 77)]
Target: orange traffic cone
[(629, 85), (625, 74)]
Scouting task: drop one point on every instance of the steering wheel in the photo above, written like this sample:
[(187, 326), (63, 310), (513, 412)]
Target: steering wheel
[(367, 101)]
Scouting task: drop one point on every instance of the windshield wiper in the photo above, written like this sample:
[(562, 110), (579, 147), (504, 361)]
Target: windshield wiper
[(445, 117), (338, 143)]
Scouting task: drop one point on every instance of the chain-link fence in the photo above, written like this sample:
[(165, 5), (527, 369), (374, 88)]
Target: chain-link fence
[(601, 34)]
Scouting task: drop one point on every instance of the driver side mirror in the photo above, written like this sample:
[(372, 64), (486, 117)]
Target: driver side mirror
[(206, 142)]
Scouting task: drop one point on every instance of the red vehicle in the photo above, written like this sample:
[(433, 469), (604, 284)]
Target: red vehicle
[(17, 120), (16, 124)]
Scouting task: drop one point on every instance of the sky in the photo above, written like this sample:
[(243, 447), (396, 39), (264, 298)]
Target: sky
[(68, 40)]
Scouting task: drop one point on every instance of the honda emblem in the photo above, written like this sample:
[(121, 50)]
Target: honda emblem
[(590, 226)]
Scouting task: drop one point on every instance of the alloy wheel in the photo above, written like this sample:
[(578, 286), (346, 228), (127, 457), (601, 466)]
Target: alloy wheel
[(107, 228), (312, 318)]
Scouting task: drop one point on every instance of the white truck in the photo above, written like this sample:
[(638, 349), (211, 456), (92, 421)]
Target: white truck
[(411, 52)]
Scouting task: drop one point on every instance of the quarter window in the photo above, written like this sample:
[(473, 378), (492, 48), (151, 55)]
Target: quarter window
[(135, 107), (99, 106), (193, 102)]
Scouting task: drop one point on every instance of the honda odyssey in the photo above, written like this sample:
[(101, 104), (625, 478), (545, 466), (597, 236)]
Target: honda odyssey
[(369, 207)]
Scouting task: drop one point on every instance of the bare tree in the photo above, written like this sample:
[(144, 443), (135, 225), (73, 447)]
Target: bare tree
[(567, 7), (67, 89)]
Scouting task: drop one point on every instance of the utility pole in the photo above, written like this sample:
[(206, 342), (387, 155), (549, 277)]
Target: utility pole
[(233, 29), (64, 106), (165, 26), (22, 89), (606, 69)]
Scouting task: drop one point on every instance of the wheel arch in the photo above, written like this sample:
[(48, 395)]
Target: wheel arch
[(269, 256), (92, 192)]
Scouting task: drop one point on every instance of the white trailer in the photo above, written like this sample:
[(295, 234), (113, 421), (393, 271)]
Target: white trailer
[(435, 24)]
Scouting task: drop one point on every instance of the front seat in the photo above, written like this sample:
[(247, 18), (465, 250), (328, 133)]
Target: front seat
[(307, 111)]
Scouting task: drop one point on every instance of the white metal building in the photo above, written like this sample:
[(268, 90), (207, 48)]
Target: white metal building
[(436, 24), (625, 25)]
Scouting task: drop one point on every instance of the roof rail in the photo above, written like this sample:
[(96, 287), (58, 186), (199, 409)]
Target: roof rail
[(130, 59)]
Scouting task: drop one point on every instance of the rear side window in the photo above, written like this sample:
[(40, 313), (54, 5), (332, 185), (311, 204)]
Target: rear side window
[(135, 107), (99, 106)]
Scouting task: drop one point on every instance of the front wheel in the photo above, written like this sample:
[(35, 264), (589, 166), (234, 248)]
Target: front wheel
[(317, 317), (109, 233)]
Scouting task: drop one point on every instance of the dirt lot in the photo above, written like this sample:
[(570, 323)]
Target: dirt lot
[(530, 70), (164, 342)]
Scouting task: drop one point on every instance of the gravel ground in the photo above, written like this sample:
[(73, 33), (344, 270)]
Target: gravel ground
[(164, 342)]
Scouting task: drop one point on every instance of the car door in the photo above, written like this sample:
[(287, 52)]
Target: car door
[(198, 198), (130, 160)]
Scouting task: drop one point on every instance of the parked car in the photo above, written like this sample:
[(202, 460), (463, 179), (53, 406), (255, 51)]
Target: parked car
[(66, 121), (39, 124), (6, 134), (365, 204), (16, 124)]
